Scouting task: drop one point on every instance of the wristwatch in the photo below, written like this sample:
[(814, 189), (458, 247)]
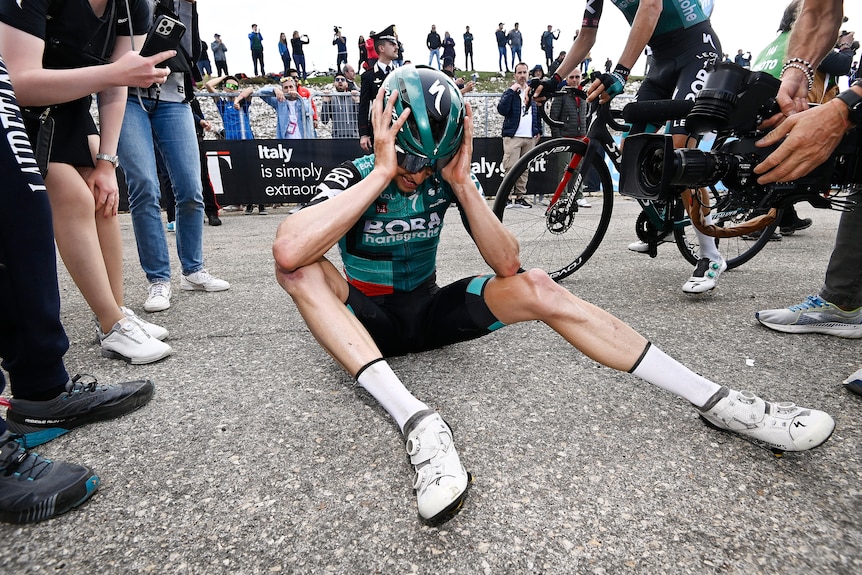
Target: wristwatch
[(854, 102), (109, 158)]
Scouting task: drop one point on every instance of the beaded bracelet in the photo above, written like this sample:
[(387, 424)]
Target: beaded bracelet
[(802, 65)]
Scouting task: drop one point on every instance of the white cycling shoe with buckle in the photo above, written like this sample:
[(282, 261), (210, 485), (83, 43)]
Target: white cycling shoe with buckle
[(441, 481), (781, 426)]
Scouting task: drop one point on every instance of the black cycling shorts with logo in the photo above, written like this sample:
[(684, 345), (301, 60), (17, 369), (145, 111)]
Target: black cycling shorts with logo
[(427, 317)]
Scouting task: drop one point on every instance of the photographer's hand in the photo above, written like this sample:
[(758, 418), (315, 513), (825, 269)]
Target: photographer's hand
[(811, 136), (792, 97)]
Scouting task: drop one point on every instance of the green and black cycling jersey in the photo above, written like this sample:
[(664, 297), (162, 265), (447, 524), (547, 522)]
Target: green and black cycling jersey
[(393, 246), (675, 14)]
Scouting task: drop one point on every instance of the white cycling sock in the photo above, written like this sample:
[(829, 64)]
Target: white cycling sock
[(708, 249), (378, 379), (658, 368)]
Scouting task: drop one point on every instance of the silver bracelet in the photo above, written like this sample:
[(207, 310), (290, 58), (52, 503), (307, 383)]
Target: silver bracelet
[(809, 73)]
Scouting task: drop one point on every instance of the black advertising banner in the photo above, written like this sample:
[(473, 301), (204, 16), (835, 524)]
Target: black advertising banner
[(287, 171)]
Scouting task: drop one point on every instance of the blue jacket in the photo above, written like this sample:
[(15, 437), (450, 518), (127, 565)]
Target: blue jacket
[(509, 107)]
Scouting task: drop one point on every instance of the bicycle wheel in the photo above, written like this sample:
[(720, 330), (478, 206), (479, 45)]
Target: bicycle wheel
[(558, 238), (726, 212)]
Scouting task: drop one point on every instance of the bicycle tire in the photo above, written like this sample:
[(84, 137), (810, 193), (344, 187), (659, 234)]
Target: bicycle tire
[(560, 238), (735, 251)]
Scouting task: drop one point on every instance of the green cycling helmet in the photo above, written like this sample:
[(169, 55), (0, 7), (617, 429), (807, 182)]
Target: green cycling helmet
[(433, 132)]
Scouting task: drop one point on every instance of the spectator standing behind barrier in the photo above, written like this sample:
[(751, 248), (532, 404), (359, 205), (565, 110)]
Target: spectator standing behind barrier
[(837, 308), (305, 93), (547, 42), (370, 51), (161, 122), (293, 112), (284, 52), (556, 64), (433, 43), (204, 65), (350, 74), (469, 64), (608, 65), (341, 110), (386, 48), (572, 111), (297, 42), (255, 40), (219, 55), (363, 52), (502, 41), (516, 41), (81, 166), (448, 49), (521, 130), (45, 402), (234, 111), (340, 43)]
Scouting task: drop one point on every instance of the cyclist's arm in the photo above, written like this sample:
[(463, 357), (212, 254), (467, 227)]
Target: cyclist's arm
[(580, 48), (498, 246), (642, 30)]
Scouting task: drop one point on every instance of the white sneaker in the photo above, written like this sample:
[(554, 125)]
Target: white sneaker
[(705, 276), (441, 481), (583, 203), (127, 341), (202, 281), (780, 426), (158, 296), (639, 247), (154, 330), (854, 382)]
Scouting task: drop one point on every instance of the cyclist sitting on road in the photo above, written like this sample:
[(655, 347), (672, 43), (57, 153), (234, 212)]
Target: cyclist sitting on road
[(385, 211), (684, 45)]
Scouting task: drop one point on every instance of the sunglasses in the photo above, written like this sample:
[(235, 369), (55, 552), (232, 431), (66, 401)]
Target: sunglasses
[(340, 79), (414, 164), (231, 86)]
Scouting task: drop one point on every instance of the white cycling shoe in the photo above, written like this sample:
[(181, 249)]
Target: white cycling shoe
[(441, 481), (779, 426), (705, 276)]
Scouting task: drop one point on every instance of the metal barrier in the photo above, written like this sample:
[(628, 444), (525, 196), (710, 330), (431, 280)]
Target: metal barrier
[(336, 114)]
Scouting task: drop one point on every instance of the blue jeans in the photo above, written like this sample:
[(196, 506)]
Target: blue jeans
[(502, 58), (168, 129), (515, 50), (432, 54)]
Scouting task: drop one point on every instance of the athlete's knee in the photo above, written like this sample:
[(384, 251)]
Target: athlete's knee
[(303, 280), (545, 295)]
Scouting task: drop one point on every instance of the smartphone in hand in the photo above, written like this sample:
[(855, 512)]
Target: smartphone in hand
[(164, 35)]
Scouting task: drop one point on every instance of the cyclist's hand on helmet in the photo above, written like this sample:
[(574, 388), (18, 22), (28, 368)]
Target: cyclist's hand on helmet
[(459, 169), (548, 87), (606, 86), (385, 131)]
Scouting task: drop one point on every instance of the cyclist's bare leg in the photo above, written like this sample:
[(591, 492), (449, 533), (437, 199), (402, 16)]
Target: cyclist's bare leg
[(320, 293), (533, 295)]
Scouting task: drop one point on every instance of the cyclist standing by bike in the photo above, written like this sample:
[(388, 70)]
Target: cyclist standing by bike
[(684, 45)]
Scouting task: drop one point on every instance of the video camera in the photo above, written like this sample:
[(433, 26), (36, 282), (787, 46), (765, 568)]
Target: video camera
[(733, 102)]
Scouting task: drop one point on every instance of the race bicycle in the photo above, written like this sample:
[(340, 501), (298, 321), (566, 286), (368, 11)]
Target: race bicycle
[(559, 236)]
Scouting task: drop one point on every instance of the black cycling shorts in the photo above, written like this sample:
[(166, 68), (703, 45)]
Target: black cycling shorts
[(680, 66), (426, 318)]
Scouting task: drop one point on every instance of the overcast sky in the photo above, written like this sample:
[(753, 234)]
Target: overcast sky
[(745, 24)]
